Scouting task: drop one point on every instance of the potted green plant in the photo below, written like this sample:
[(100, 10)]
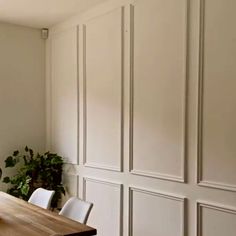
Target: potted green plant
[(34, 171)]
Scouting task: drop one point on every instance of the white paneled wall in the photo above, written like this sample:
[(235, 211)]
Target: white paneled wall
[(158, 119), (142, 106), (103, 90), (217, 104), (215, 220), (167, 210), (63, 96), (108, 195)]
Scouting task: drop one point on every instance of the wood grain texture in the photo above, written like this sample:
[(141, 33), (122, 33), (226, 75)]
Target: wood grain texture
[(18, 217)]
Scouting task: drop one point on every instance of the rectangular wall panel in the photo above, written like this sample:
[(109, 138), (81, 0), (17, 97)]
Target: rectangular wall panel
[(215, 220), (217, 104), (103, 90), (64, 110), (158, 83), (155, 214), (106, 214)]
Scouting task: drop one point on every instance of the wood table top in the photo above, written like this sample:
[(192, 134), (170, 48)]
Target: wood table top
[(20, 218)]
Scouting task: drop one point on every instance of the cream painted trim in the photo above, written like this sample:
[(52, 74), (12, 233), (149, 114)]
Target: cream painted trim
[(200, 92), (49, 94), (113, 184), (84, 96), (213, 206), (57, 33), (105, 13), (173, 197), (78, 97), (77, 185), (217, 185), (157, 175), (103, 167), (200, 181), (85, 162)]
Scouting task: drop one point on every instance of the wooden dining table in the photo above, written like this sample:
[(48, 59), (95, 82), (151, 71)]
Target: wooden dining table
[(20, 218)]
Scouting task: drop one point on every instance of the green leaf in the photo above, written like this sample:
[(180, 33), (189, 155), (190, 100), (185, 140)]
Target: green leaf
[(6, 180), (25, 160), (56, 160), (31, 152), (20, 185), (25, 189), (36, 171), (28, 179), (15, 153), (61, 189), (14, 180), (10, 162)]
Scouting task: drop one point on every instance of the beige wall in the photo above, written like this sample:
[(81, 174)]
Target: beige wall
[(141, 97), (22, 89)]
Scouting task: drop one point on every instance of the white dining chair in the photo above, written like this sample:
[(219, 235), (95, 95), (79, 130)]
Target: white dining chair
[(42, 197), (76, 209)]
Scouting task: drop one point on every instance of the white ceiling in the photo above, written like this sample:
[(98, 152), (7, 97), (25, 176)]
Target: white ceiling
[(42, 13)]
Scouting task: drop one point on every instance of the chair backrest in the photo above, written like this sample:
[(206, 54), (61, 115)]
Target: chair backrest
[(76, 209), (42, 198)]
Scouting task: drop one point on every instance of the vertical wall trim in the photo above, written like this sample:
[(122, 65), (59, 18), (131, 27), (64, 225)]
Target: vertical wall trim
[(122, 89), (84, 97), (131, 102), (78, 98), (186, 90), (200, 90), (49, 95)]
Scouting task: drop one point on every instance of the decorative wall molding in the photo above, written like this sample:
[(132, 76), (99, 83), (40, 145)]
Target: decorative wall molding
[(59, 32), (78, 97), (103, 167), (135, 176), (112, 184), (86, 163), (200, 180), (49, 94), (217, 207), (157, 175), (50, 88), (77, 185), (216, 185), (173, 197)]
